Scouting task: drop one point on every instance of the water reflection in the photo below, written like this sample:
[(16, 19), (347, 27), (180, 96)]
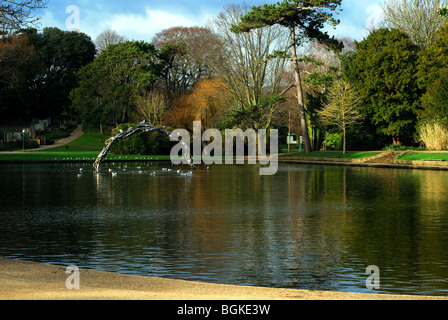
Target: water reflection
[(310, 227)]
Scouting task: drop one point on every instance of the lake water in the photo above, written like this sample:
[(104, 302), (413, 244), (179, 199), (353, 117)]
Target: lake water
[(307, 227)]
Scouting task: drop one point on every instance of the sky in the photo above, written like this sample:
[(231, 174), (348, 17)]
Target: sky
[(142, 19)]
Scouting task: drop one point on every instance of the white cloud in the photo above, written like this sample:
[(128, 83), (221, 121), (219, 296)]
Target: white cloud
[(375, 13), (135, 26), (144, 27)]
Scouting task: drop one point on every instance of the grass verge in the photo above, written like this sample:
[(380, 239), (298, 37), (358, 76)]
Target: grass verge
[(331, 154), (89, 145), (417, 156), (85, 148)]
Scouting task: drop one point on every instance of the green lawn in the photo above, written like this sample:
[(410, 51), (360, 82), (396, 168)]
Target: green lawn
[(424, 156), (89, 145), (89, 141), (327, 154), (85, 148), (73, 155)]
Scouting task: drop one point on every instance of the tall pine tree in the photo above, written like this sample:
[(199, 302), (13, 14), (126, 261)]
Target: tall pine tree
[(305, 21)]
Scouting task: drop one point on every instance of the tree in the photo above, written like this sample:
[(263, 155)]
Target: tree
[(19, 14), (383, 70), (203, 103), (435, 101), (151, 106), (443, 12), (321, 67), (433, 60), (193, 48), (18, 64), (61, 54), (305, 19), (110, 84), (207, 98), (433, 80), (341, 110), (246, 61), (107, 38), (419, 19), (38, 70)]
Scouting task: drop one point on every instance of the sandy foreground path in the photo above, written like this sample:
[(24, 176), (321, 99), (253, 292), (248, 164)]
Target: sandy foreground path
[(25, 280)]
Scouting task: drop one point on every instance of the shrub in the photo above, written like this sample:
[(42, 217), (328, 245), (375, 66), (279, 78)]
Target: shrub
[(434, 136), (333, 141), (154, 143), (31, 144), (361, 138)]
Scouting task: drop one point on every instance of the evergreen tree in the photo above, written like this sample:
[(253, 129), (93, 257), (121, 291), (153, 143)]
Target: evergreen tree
[(109, 85), (304, 20), (383, 71)]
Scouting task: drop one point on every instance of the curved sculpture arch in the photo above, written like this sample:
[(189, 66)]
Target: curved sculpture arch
[(142, 127)]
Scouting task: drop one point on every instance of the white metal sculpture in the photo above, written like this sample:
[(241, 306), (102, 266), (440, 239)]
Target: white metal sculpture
[(142, 127)]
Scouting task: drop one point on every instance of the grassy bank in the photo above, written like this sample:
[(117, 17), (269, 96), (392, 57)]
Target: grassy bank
[(89, 145), (418, 156), (331, 154), (88, 142), (85, 148)]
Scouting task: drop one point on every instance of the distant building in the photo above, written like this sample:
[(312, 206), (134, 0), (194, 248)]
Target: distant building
[(65, 120), (15, 129), (291, 139)]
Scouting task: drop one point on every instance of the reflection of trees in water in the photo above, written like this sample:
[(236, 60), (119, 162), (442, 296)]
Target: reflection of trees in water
[(300, 228)]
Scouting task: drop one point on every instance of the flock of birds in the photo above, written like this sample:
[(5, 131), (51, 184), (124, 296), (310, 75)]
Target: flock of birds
[(114, 173)]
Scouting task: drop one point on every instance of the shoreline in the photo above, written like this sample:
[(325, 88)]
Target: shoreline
[(26, 280), (325, 161)]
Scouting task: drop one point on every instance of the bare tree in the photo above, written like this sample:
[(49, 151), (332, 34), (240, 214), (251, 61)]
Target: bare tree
[(151, 106), (342, 108), (195, 48), (246, 62), (107, 38), (419, 19), (19, 14)]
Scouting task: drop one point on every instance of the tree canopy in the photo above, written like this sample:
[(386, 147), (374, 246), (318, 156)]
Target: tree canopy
[(419, 19), (109, 85), (383, 70), (305, 21), (61, 55), (38, 70), (19, 14), (341, 110)]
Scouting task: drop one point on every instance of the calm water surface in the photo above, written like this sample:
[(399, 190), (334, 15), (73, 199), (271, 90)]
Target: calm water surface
[(307, 227)]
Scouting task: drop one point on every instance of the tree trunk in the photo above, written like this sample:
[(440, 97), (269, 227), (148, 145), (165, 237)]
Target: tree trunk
[(298, 83), (344, 142)]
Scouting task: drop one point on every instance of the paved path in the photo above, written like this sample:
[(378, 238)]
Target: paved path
[(74, 135)]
